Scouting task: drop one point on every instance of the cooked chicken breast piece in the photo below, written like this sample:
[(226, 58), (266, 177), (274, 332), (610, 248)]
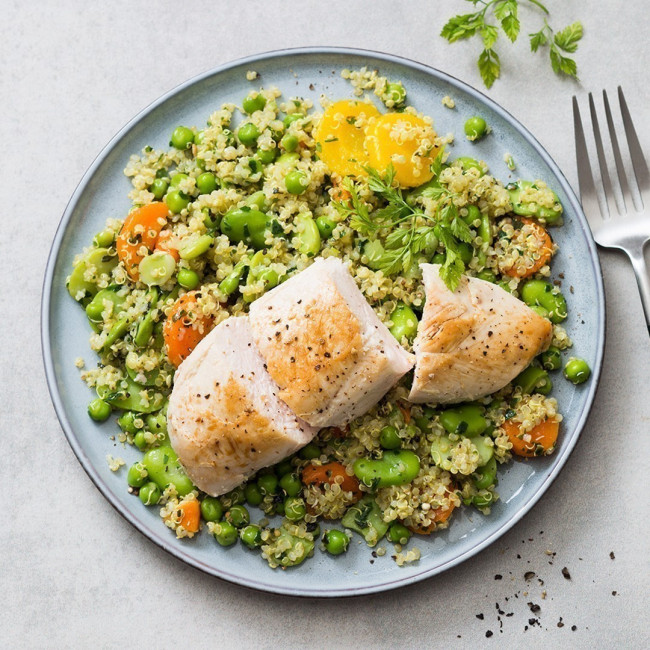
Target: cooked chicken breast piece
[(225, 420), (473, 341), (324, 345)]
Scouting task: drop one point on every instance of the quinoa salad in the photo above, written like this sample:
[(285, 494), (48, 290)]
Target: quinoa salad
[(238, 206)]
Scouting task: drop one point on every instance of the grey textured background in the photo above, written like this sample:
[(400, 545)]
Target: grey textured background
[(72, 572)]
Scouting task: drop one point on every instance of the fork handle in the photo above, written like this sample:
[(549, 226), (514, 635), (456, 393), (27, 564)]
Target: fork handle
[(642, 279)]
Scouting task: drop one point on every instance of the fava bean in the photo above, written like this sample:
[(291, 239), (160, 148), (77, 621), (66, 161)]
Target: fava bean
[(464, 420), (230, 283), (542, 293), (104, 239), (531, 209), (96, 306), (467, 163), (405, 322), (531, 379), (485, 448), (101, 261), (307, 240), (366, 518), (194, 247), (164, 469), (245, 224), (157, 269), (393, 468)]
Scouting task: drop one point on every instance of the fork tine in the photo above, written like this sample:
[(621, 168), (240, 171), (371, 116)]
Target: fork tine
[(602, 160), (639, 163), (620, 169), (588, 194)]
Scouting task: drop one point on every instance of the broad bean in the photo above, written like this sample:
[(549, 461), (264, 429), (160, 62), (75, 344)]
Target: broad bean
[(393, 468), (164, 468)]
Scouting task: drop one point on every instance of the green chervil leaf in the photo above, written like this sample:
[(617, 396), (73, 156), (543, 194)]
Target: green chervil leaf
[(568, 38), (489, 66)]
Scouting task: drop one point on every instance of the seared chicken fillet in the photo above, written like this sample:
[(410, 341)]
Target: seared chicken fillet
[(324, 345), (473, 341), (225, 420)]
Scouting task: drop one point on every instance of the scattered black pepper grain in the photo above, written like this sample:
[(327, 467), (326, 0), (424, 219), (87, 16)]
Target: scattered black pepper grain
[(611, 555), (518, 556), (534, 608), (560, 624), (574, 628), (565, 573), (498, 576), (614, 593), (480, 617), (489, 633), (529, 575)]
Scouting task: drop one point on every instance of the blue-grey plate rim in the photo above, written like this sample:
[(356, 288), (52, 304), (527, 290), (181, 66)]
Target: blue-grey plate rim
[(253, 582)]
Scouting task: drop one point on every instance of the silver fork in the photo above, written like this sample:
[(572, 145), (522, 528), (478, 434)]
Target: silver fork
[(628, 231)]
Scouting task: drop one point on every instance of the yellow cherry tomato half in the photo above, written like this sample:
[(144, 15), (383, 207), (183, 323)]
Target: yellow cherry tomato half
[(340, 136), (406, 141)]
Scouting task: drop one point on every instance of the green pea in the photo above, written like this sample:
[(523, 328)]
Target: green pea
[(288, 160), (294, 508), (289, 142), (267, 483), (206, 182), (486, 476), (336, 542), (531, 209), (238, 516), (199, 137), (95, 307), (157, 423), (405, 322), (182, 137), (235, 497), (438, 258), (291, 484), (577, 371), (542, 293), (162, 173), (126, 422), (211, 509), (194, 247), (475, 128), (99, 410), (254, 102), (398, 533), (149, 494), (473, 215), (248, 134), (245, 224), (389, 438), (310, 451), (283, 467), (325, 227), (225, 533), (464, 420), (393, 468), (104, 239), (188, 279), (483, 500), (129, 397), (140, 441), (487, 275), (158, 188), (176, 201), (157, 269), (467, 163), (137, 475), (177, 179), (307, 240), (267, 156), (164, 469), (296, 182), (551, 359), (531, 379), (251, 536), (230, 283), (253, 494), (396, 93), (423, 423), (290, 119)]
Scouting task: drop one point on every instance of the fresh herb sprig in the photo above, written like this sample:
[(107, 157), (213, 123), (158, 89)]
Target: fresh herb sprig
[(493, 14), (406, 231)]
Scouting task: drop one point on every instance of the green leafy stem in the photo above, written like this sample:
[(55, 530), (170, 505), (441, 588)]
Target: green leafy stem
[(485, 23)]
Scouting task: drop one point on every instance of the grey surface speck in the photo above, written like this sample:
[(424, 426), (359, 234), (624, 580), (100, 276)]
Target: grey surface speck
[(73, 573)]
